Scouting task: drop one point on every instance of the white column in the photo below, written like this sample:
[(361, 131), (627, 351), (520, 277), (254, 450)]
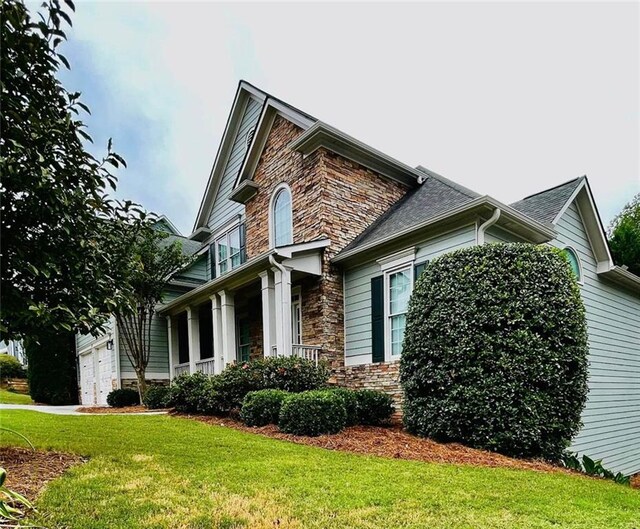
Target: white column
[(283, 310), (193, 327), (268, 313), (218, 349), (172, 340), (228, 326)]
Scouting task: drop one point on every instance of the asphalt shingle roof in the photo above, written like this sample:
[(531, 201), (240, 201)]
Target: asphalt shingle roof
[(545, 206), (435, 196), (189, 247)]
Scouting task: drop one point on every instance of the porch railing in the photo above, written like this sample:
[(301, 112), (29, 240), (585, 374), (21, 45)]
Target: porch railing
[(308, 352), (179, 369), (205, 366)]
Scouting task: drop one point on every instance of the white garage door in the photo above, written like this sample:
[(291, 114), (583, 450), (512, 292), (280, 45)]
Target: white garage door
[(87, 380), (104, 374)]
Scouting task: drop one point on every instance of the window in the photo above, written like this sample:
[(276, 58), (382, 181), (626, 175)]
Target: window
[(296, 316), (229, 249), (281, 217), (574, 262), (399, 284), (244, 339)]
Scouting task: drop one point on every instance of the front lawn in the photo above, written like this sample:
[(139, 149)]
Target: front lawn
[(9, 397), (168, 472)]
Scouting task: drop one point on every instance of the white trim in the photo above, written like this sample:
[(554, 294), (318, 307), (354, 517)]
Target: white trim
[(296, 291), (280, 187), (100, 341), (357, 360), (116, 351), (407, 265), (569, 201), (231, 226), (398, 259), (580, 278)]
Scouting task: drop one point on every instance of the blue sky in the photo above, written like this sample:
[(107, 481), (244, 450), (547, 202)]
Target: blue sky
[(505, 98)]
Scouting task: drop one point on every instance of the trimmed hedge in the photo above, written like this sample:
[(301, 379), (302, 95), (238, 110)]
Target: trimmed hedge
[(157, 397), (194, 394), (119, 398), (374, 407), (313, 413), (10, 367), (350, 401), (262, 407), (495, 351)]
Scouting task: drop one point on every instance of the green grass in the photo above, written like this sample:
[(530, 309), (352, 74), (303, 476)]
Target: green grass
[(167, 472), (8, 397)]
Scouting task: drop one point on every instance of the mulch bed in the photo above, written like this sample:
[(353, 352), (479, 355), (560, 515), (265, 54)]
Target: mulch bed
[(392, 442), (126, 409), (29, 471)]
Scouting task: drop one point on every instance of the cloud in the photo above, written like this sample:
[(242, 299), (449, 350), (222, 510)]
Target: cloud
[(507, 99)]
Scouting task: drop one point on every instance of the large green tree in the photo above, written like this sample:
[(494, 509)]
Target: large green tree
[(624, 236), (54, 250)]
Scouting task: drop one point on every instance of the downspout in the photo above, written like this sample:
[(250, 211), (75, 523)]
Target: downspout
[(487, 224)]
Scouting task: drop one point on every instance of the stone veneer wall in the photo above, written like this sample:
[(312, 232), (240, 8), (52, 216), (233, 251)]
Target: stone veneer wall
[(132, 383), (383, 376), (325, 187)]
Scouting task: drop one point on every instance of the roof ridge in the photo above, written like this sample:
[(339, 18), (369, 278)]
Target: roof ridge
[(550, 188), (450, 183)]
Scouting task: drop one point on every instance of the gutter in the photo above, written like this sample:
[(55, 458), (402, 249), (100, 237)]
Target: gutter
[(487, 224)]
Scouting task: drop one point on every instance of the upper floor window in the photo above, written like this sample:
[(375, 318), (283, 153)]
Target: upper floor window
[(229, 249), (281, 216), (574, 262)]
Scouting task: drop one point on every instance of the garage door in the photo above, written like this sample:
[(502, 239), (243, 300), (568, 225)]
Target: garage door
[(87, 380), (104, 374)]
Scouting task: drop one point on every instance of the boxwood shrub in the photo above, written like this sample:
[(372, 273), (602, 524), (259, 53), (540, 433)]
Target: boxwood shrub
[(313, 413), (374, 407), (262, 407), (10, 367), (119, 398), (194, 394), (157, 397), (350, 401), (495, 351)]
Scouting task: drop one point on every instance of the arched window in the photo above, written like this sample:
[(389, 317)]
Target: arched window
[(281, 216), (574, 261)]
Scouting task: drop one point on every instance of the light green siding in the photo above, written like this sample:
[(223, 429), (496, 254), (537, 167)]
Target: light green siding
[(495, 234), (611, 419), (199, 270), (159, 357), (224, 209), (357, 291)]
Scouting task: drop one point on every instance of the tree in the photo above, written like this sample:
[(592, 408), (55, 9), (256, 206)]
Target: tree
[(143, 261), (54, 266), (624, 236), (495, 351)]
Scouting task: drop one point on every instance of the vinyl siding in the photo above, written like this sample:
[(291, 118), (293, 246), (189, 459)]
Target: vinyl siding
[(199, 270), (357, 291), (85, 341), (159, 357), (611, 418), (223, 208), (495, 234)]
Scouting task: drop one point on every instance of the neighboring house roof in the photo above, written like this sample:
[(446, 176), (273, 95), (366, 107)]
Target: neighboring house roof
[(189, 247), (546, 205), (436, 196)]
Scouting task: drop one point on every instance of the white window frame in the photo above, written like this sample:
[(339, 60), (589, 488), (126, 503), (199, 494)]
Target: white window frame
[(225, 233), (580, 278), (296, 305), (389, 265), (272, 203)]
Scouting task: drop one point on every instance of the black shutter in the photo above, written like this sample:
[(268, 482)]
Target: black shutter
[(243, 242), (377, 319), (418, 269), (212, 260)]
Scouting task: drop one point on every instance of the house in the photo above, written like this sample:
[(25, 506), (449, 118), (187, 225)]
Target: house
[(14, 348), (103, 364), (310, 242)]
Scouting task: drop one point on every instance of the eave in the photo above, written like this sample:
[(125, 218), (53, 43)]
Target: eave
[(622, 276)]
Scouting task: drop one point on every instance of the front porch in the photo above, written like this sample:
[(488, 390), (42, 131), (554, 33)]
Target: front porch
[(258, 313)]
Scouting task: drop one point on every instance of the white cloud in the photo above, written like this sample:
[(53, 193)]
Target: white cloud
[(505, 98)]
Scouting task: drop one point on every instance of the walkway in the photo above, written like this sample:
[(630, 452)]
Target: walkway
[(68, 410)]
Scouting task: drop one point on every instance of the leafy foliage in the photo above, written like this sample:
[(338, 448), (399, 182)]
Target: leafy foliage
[(495, 351), (194, 394), (313, 413), (10, 367), (52, 371), (374, 407), (53, 263), (350, 402), (12, 504), (157, 397), (120, 398), (624, 236), (593, 468), (262, 407)]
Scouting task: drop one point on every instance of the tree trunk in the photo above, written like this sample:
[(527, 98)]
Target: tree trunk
[(142, 383)]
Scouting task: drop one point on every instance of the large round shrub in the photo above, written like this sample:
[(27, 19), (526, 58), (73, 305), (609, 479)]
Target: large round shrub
[(10, 367), (120, 398), (495, 351), (194, 394), (313, 413), (262, 407), (375, 408), (157, 397), (350, 401)]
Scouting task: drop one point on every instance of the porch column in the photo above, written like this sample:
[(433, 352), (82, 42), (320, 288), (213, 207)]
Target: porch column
[(268, 313), (283, 310), (218, 349), (172, 340), (193, 328), (228, 319)]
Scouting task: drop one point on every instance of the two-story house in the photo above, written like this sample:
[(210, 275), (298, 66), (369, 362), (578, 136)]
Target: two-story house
[(310, 242)]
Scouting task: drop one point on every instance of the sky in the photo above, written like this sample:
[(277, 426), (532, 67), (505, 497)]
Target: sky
[(505, 98)]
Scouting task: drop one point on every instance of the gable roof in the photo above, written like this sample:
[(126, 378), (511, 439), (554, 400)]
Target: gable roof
[(547, 205)]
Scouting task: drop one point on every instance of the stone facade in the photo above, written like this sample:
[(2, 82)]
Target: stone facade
[(132, 383), (383, 376), (332, 198)]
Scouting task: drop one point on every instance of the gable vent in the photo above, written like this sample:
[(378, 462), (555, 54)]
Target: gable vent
[(249, 138)]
